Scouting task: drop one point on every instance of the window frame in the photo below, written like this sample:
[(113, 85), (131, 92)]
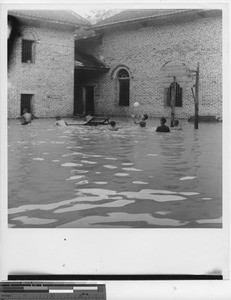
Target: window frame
[(124, 87), (30, 52)]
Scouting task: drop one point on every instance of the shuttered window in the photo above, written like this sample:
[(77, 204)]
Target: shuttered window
[(27, 51), (178, 98), (124, 87)]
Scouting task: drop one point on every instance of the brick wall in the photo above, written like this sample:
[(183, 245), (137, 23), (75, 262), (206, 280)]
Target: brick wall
[(50, 78), (145, 50)]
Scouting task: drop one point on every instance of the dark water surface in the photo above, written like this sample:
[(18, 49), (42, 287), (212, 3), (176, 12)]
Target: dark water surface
[(82, 176)]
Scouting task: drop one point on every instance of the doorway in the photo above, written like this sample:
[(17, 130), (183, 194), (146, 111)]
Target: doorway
[(26, 102), (84, 100)]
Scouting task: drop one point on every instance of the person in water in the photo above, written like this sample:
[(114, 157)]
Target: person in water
[(176, 125), (60, 122), (113, 126), (140, 120), (27, 117), (162, 127), (88, 117)]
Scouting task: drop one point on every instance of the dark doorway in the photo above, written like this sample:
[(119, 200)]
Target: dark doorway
[(26, 100), (84, 100), (178, 97)]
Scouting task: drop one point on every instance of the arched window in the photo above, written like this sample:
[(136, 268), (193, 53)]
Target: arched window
[(178, 97), (124, 87), (29, 39)]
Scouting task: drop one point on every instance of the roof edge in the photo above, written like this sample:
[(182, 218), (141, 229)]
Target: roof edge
[(42, 19), (148, 18)]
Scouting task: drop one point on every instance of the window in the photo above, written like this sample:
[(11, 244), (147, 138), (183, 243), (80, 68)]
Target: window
[(26, 100), (178, 97), (27, 51), (124, 87)]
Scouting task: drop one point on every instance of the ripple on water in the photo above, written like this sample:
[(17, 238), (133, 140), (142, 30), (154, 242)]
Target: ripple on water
[(71, 165), (209, 221), (101, 182), (187, 178), (79, 171), (75, 177), (84, 206), (111, 158), (163, 213), (132, 169), (38, 158), (153, 195), (34, 221), (188, 193), (122, 174), (140, 182), (99, 221), (82, 182), (109, 166), (89, 162)]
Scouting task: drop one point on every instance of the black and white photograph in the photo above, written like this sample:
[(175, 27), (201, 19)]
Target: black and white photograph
[(115, 147), (115, 118)]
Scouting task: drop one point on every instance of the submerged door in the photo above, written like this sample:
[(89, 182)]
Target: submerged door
[(84, 100)]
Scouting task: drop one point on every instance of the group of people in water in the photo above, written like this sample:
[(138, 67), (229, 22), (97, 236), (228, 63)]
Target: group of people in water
[(138, 120), (141, 120)]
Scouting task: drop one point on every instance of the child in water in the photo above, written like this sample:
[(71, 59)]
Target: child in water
[(60, 122), (27, 117), (176, 125), (140, 120), (113, 126), (162, 127)]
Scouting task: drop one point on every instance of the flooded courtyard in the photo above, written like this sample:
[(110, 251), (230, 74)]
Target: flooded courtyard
[(90, 177)]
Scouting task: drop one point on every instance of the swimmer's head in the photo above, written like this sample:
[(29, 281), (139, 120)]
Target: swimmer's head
[(144, 117), (176, 123), (163, 121), (142, 124), (113, 123), (58, 118)]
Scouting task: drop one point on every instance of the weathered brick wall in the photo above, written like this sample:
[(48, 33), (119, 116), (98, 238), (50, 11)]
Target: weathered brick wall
[(145, 50), (50, 78)]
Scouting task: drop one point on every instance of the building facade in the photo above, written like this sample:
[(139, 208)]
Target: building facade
[(41, 71), (138, 45), (62, 66)]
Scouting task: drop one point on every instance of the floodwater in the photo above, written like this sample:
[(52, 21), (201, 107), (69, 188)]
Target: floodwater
[(81, 176)]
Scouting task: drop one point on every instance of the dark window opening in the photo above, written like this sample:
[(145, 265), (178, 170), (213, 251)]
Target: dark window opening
[(27, 51), (124, 87), (26, 100), (178, 97)]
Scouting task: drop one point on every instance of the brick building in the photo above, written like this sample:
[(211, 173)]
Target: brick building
[(119, 61), (41, 72), (136, 46)]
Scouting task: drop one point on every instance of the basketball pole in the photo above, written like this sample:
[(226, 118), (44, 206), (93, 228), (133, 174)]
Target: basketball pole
[(196, 99), (173, 102)]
